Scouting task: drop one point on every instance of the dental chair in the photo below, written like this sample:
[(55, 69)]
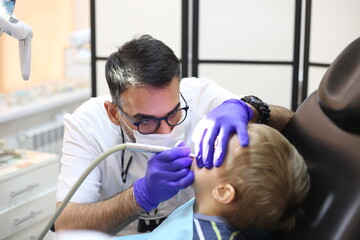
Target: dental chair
[(326, 131)]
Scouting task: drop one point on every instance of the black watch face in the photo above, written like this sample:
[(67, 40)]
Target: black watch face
[(256, 102)]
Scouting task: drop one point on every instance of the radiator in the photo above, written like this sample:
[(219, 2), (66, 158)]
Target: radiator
[(46, 137)]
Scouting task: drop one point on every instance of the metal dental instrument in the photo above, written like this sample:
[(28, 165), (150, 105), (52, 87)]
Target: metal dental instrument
[(146, 148)]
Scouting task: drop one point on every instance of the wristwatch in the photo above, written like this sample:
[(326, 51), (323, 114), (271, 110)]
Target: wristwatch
[(262, 107)]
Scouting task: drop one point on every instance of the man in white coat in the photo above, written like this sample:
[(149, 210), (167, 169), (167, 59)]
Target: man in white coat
[(149, 104)]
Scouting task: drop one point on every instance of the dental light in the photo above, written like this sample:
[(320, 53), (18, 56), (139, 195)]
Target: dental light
[(19, 30)]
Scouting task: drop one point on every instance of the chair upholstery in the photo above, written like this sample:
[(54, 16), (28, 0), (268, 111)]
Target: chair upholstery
[(326, 131)]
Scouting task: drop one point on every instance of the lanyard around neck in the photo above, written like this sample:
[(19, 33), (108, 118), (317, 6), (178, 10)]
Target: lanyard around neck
[(124, 171)]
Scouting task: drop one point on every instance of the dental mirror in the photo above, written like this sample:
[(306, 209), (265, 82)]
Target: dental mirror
[(6, 10)]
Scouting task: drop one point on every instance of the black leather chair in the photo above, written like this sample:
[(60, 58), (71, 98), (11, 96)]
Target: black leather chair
[(326, 131)]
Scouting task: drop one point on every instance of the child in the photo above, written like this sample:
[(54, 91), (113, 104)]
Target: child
[(261, 186)]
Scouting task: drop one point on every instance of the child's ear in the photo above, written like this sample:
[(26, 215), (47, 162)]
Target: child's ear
[(224, 193), (112, 112)]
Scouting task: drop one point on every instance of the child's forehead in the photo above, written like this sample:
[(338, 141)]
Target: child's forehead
[(234, 149), (234, 144)]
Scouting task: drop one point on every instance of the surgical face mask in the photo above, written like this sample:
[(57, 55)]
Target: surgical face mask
[(165, 140)]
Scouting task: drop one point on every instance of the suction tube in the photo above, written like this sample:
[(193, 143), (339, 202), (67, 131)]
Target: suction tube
[(125, 146)]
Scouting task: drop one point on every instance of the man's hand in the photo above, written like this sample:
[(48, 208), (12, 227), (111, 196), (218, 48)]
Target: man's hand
[(167, 173), (231, 117)]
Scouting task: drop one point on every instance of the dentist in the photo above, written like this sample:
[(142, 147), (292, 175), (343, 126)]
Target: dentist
[(149, 103)]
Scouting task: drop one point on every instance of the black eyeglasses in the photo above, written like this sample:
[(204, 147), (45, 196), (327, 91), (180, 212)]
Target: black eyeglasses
[(151, 125)]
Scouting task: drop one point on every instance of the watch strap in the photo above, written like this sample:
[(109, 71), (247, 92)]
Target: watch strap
[(261, 106)]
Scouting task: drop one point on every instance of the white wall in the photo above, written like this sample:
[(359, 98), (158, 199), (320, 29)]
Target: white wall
[(234, 30), (259, 30), (119, 21), (335, 24)]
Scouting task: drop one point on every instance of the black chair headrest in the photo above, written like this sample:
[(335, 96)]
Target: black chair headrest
[(339, 90)]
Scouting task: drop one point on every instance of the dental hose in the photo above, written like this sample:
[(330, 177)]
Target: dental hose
[(125, 146)]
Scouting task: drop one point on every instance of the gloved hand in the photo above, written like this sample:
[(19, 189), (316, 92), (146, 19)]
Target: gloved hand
[(232, 116), (167, 172)]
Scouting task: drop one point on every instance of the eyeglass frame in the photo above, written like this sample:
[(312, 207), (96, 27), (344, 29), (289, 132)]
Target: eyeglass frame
[(137, 123)]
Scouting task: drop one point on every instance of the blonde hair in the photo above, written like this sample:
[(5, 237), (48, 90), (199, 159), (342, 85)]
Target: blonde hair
[(270, 179)]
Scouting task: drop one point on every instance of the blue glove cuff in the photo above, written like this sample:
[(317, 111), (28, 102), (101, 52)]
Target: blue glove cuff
[(142, 196)]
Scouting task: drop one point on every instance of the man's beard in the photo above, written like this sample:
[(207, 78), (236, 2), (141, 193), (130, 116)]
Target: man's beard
[(126, 129)]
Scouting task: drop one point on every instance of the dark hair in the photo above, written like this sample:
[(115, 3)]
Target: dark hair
[(143, 61)]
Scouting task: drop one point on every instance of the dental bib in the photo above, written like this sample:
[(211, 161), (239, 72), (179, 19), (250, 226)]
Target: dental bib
[(178, 226)]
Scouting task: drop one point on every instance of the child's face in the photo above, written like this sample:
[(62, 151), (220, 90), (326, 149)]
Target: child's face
[(207, 179)]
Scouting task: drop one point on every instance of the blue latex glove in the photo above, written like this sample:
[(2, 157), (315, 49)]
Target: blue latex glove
[(167, 172), (231, 117)]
